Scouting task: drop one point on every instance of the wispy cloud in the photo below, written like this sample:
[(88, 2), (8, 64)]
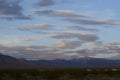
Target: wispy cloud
[(81, 28), (59, 13), (30, 27), (92, 22)]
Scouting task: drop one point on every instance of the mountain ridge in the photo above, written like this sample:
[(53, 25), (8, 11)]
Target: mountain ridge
[(8, 62)]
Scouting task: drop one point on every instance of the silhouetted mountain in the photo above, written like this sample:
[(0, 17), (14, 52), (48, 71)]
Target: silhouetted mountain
[(8, 62), (79, 63)]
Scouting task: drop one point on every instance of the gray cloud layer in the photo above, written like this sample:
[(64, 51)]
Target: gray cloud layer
[(44, 3), (68, 35), (48, 3), (11, 10)]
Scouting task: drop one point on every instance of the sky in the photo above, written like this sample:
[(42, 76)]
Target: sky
[(60, 29)]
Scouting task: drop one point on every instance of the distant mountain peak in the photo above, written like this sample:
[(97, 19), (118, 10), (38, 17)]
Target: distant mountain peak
[(8, 62)]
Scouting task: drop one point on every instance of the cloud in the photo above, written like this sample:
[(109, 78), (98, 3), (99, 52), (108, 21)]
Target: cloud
[(92, 52), (46, 52), (85, 52), (45, 3), (48, 3), (105, 49), (92, 44), (68, 44), (63, 35), (37, 48), (59, 13), (70, 35), (111, 47), (16, 17), (36, 27), (32, 52), (30, 39), (98, 49), (10, 41), (92, 22), (10, 7), (12, 10), (76, 27), (88, 37)]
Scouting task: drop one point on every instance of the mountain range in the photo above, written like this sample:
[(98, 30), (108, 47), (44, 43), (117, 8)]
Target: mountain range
[(8, 62)]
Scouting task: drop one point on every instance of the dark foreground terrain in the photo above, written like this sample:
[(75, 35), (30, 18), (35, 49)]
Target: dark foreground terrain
[(61, 74)]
